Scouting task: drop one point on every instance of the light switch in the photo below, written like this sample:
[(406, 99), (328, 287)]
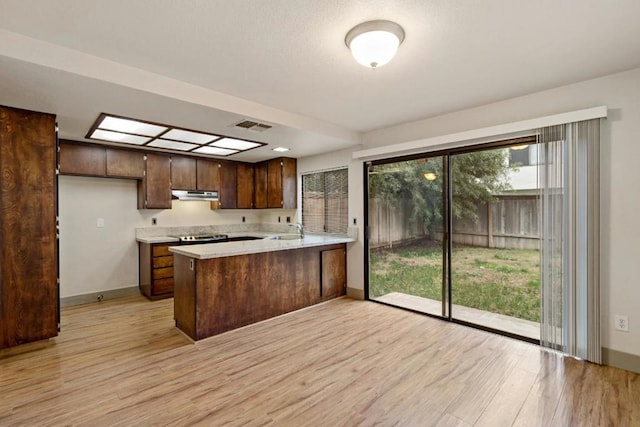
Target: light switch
[(100, 222)]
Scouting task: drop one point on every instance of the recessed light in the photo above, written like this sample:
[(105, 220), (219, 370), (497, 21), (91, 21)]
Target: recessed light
[(107, 135), (130, 126), (189, 136), (172, 145), (236, 144), (215, 151), (281, 149)]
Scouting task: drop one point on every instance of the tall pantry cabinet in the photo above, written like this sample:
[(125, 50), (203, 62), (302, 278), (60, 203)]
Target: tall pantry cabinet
[(29, 296)]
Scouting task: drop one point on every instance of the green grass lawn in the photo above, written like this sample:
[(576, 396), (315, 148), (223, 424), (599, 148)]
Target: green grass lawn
[(504, 281)]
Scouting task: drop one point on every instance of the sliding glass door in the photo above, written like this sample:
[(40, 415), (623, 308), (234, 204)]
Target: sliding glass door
[(406, 223), (456, 236)]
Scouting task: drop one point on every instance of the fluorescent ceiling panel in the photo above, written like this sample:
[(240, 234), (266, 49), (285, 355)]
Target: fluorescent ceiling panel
[(215, 151), (171, 145), (188, 136), (107, 135), (235, 144), (131, 126)]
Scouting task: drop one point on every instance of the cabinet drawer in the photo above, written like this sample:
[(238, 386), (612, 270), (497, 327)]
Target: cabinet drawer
[(163, 261), (163, 286), (162, 273), (161, 250)]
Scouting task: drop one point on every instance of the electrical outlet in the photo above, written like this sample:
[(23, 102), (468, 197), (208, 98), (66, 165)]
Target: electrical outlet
[(355, 222), (288, 219), (100, 222), (244, 219), (622, 322), (278, 219), (154, 221)]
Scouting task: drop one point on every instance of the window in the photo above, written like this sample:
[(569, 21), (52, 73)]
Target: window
[(325, 200)]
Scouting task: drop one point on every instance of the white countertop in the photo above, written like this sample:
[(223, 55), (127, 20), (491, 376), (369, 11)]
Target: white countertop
[(267, 244), (157, 239)]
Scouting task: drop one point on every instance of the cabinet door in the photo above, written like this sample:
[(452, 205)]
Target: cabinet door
[(260, 185), (82, 159), (289, 183), (28, 265), (228, 185), (158, 181), (183, 173), (208, 175), (245, 185), (334, 273), (274, 184), (125, 163)]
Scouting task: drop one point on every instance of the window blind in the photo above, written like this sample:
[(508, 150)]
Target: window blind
[(325, 200)]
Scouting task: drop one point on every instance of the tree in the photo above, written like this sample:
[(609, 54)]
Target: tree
[(417, 185)]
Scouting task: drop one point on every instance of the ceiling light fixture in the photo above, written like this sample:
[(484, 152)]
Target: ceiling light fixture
[(374, 43), (280, 149)]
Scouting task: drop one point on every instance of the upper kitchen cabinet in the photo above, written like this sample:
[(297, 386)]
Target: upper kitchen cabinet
[(260, 174), (82, 159), (154, 190), (228, 195), (281, 183), (127, 164), (207, 175), (29, 305), (245, 191), (183, 173)]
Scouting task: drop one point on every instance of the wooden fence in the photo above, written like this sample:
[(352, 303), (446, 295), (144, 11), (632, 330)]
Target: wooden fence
[(508, 222)]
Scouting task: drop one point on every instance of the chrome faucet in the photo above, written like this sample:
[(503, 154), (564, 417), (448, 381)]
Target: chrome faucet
[(298, 227)]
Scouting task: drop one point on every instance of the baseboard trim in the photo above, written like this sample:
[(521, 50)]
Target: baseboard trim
[(355, 293), (619, 359), (96, 296)]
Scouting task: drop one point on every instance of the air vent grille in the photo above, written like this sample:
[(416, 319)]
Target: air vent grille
[(253, 126)]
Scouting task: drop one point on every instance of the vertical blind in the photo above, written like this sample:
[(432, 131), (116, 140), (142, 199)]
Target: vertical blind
[(325, 200), (569, 256)]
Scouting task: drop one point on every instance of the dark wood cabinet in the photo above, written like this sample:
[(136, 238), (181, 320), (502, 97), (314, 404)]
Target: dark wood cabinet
[(281, 183), (260, 174), (245, 185), (228, 193), (333, 273), (127, 164), (215, 295), (208, 175), (29, 295), (156, 270), (183, 173), (82, 159), (154, 190)]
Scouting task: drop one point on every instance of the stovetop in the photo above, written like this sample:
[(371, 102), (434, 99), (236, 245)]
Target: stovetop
[(203, 239)]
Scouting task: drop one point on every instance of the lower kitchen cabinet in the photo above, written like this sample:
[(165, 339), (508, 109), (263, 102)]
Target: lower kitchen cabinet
[(333, 273), (156, 270)]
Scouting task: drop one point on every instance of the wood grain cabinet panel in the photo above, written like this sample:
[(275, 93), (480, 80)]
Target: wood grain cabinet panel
[(245, 185), (207, 175), (183, 173), (125, 163), (260, 175), (29, 304), (154, 191), (82, 159), (155, 270), (282, 183), (228, 193), (334, 269)]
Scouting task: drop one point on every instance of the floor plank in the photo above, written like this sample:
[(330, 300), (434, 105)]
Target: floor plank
[(342, 363)]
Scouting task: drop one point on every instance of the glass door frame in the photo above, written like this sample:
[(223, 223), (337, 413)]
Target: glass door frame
[(447, 155)]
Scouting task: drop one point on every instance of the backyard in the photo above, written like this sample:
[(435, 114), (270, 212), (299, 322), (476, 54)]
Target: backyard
[(504, 281)]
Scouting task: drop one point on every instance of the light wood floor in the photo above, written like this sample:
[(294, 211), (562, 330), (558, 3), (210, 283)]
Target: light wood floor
[(345, 362)]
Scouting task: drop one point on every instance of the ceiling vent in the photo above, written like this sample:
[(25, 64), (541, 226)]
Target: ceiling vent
[(252, 126)]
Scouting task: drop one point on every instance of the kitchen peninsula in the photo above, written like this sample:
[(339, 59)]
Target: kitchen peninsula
[(223, 286)]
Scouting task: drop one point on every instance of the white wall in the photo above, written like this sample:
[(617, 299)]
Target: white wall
[(620, 175), (96, 259)]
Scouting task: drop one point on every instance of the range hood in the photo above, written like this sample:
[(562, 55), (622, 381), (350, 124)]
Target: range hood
[(206, 196)]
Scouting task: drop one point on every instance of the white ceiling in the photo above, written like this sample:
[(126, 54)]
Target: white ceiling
[(205, 64)]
